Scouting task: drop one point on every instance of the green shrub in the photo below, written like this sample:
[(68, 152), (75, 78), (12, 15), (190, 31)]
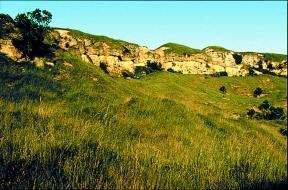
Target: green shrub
[(154, 66), (141, 71), (220, 74), (223, 89), (267, 112), (257, 92), (127, 74), (33, 27)]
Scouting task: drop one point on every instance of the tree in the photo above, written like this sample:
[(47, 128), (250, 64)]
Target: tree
[(33, 27), (6, 25)]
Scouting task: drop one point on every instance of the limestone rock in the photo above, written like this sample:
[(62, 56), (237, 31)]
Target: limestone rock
[(49, 63), (7, 47), (65, 40), (38, 62)]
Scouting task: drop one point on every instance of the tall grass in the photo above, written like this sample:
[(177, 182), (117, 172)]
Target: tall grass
[(85, 129)]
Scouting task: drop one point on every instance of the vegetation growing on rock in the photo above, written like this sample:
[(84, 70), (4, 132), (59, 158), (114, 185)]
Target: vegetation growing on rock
[(218, 48), (179, 49)]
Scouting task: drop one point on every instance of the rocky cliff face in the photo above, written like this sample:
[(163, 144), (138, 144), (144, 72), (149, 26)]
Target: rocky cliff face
[(127, 57), (116, 56)]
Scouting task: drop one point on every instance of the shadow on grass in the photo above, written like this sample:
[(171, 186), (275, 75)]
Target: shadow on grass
[(20, 81), (49, 171)]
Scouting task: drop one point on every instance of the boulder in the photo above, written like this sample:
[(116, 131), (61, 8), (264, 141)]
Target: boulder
[(38, 62)]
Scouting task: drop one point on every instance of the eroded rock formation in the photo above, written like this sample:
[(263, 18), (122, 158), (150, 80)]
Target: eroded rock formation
[(126, 57), (117, 56)]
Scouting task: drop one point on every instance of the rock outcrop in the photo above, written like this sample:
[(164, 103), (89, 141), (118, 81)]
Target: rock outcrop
[(126, 57), (116, 56)]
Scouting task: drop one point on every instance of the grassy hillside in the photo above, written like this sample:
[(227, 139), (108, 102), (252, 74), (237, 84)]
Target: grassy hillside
[(218, 48), (115, 44), (179, 49), (269, 56), (274, 57), (77, 127)]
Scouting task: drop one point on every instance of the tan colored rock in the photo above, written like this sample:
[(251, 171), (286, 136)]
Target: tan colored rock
[(95, 59), (38, 62), (127, 65), (66, 40), (85, 58), (233, 71), (91, 50), (252, 59), (7, 48), (49, 63), (67, 64), (220, 58), (128, 56), (87, 42)]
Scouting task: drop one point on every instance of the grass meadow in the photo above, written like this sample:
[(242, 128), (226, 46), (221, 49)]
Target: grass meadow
[(66, 127)]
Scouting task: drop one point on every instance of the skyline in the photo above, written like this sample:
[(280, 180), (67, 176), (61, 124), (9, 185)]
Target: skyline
[(239, 26)]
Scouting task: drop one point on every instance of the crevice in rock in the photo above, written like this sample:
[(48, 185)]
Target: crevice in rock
[(238, 58)]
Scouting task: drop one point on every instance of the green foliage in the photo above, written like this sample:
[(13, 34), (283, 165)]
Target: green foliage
[(274, 57), (223, 89), (257, 92), (179, 49), (6, 25), (33, 27), (267, 112), (127, 74), (141, 71), (154, 66)]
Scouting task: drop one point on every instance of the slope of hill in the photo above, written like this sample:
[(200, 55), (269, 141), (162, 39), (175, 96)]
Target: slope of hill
[(179, 49), (67, 124), (73, 126)]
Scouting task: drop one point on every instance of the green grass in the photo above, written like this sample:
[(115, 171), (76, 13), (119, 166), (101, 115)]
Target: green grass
[(179, 49), (218, 48), (274, 57), (269, 56), (77, 127), (113, 43)]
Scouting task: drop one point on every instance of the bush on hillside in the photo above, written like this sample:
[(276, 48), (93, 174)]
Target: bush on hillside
[(220, 74), (154, 66), (142, 71), (251, 72), (257, 92), (33, 27), (6, 25), (127, 74), (223, 89), (267, 112)]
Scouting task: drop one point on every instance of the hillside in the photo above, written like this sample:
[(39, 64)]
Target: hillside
[(66, 123)]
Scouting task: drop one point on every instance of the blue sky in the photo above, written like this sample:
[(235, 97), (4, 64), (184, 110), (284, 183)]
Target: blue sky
[(240, 26)]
